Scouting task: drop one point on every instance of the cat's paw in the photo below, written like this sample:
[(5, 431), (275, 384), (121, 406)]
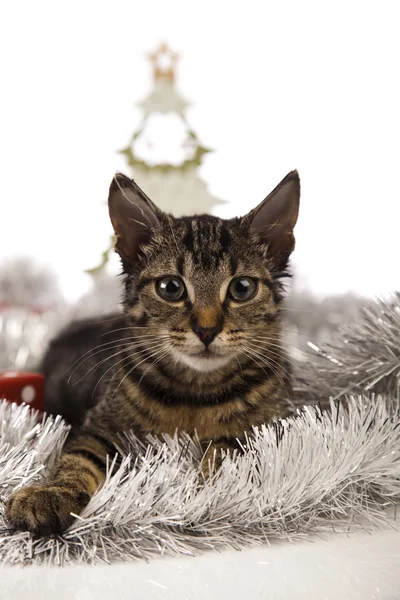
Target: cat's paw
[(44, 510)]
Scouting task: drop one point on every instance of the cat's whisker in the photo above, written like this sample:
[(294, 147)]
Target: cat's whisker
[(251, 356), (272, 360), (128, 328), (107, 344), (266, 353), (265, 342), (78, 361), (176, 361), (274, 370), (278, 350), (113, 366), (126, 358), (281, 336), (153, 363), (261, 329), (268, 341), (264, 330), (147, 358), (268, 361), (94, 367), (135, 366), (303, 336), (280, 378), (82, 360), (277, 336), (98, 364), (102, 348), (238, 362)]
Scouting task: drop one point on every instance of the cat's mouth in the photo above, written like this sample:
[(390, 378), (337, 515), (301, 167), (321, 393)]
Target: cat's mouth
[(206, 360), (206, 353)]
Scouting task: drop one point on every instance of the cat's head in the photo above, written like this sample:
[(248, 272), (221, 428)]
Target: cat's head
[(204, 289)]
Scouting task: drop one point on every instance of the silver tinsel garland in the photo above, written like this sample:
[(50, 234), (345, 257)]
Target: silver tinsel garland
[(318, 472), (364, 358)]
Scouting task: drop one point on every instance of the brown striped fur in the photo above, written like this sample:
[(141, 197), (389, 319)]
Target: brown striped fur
[(205, 364)]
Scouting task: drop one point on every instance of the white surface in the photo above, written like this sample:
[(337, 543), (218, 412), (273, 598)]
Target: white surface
[(337, 567)]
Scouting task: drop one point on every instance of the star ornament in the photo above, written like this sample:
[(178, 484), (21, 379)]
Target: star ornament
[(164, 62)]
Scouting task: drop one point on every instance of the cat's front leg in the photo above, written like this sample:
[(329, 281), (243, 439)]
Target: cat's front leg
[(49, 508)]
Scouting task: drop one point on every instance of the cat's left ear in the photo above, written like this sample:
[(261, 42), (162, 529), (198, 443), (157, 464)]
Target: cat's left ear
[(133, 215), (274, 219)]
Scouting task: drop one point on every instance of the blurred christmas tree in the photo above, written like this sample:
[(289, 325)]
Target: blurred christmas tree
[(164, 153)]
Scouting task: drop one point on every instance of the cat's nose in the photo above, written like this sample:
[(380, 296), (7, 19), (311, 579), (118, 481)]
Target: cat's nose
[(207, 334)]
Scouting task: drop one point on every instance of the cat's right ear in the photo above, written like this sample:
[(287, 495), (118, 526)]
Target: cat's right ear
[(133, 216)]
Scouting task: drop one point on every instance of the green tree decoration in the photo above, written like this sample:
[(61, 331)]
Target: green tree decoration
[(164, 153)]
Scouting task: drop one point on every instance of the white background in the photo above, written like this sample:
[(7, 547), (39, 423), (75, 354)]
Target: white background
[(276, 86), (356, 566)]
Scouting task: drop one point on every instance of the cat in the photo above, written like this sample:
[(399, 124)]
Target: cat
[(197, 348)]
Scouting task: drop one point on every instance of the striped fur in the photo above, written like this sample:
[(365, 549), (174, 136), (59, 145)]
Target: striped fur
[(160, 376)]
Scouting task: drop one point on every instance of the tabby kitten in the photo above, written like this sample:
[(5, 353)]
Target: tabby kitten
[(197, 348)]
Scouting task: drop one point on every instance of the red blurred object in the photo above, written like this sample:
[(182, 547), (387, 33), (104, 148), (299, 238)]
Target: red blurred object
[(19, 387)]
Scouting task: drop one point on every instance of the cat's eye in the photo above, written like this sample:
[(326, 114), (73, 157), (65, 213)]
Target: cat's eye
[(243, 288), (171, 288)]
